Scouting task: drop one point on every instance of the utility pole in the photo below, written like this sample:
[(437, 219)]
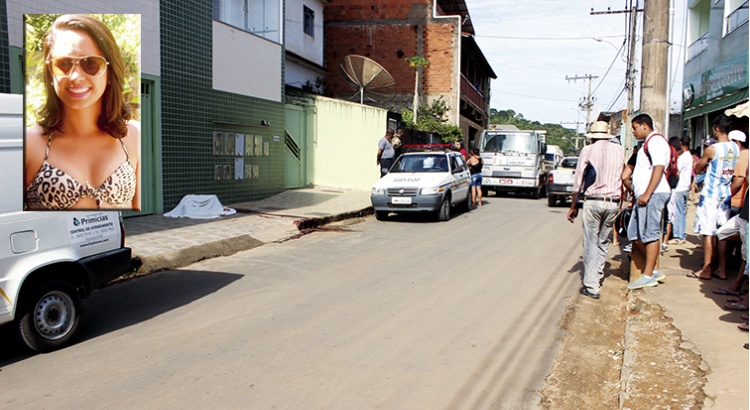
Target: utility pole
[(588, 102), (577, 137), (654, 62), (630, 75)]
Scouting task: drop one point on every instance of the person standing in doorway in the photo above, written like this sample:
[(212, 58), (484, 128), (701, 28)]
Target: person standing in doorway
[(651, 191), (601, 205), (718, 162), (386, 154)]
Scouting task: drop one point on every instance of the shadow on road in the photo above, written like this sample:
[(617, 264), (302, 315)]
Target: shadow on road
[(130, 302)]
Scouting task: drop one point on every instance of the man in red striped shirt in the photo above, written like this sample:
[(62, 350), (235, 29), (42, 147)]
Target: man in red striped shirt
[(601, 191)]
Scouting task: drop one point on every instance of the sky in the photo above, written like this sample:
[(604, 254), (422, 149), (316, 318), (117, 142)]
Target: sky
[(534, 45)]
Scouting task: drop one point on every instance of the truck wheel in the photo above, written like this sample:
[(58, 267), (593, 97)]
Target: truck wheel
[(51, 318), (381, 215), (538, 193), (551, 200), (444, 213)]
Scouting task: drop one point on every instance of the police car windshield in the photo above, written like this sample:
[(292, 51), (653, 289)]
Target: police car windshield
[(510, 143), (421, 163)]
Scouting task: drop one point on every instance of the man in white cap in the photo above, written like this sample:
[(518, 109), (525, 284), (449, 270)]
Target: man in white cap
[(601, 191)]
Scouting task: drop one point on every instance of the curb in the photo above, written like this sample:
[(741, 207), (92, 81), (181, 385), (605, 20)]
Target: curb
[(192, 254), (310, 223), (225, 247)]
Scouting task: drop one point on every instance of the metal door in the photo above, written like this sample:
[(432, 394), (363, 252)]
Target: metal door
[(296, 131)]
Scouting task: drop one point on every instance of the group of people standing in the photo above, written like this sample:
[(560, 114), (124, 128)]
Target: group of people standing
[(641, 184)]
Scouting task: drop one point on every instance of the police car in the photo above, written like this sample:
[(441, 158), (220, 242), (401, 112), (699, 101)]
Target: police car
[(431, 182)]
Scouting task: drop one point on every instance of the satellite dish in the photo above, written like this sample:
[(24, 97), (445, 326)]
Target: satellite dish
[(368, 77)]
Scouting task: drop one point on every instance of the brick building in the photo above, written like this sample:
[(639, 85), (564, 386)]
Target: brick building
[(388, 31)]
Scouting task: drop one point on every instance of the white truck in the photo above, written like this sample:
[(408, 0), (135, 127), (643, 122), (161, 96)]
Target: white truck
[(49, 261), (554, 155), (560, 182), (514, 161)]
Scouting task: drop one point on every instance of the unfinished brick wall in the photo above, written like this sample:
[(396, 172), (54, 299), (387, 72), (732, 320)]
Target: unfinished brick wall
[(388, 31)]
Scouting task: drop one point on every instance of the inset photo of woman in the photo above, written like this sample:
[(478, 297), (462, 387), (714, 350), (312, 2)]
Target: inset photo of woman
[(82, 144)]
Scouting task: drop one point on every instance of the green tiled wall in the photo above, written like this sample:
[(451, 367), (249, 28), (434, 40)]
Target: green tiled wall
[(4, 51), (192, 111)]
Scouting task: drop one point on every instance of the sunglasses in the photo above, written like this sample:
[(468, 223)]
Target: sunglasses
[(91, 65)]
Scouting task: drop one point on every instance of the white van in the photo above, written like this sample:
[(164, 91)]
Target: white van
[(49, 261)]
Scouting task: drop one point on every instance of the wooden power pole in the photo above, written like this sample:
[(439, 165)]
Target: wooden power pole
[(654, 63)]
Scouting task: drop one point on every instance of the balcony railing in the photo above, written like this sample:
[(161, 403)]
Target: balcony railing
[(697, 47), (472, 94), (736, 18)]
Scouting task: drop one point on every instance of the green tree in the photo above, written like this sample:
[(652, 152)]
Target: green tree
[(432, 118), (417, 63)]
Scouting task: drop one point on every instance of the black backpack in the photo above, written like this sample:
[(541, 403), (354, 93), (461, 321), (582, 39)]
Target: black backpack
[(671, 170)]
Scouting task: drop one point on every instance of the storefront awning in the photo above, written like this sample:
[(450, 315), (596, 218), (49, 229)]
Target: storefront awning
[(717, 104)]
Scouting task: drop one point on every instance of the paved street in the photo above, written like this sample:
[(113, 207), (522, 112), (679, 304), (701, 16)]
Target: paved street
[(403, 314)]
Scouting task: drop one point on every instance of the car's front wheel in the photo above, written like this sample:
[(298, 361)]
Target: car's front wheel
[(381, 215), (444, 212), (51, 317)]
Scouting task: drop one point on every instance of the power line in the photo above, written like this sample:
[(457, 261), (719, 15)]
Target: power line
[(610, 67), (544, 38), (531, 96)]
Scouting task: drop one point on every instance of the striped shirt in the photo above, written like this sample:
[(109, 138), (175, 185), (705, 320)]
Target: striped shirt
[(607, 158), (720, 170)]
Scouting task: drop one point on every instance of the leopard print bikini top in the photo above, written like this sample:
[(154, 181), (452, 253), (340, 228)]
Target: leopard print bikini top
[(52, 188)]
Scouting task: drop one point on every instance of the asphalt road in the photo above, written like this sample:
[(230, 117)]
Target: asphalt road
[(404, 314)]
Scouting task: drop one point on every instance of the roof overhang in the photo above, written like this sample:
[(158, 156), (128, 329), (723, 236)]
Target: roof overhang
[(468, 43), (457, 8)]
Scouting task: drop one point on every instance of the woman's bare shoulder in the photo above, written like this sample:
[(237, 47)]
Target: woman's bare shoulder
[(34, 138)]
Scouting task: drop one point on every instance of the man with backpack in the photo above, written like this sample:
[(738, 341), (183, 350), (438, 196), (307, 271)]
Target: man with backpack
[(651, 191), (718, 161)]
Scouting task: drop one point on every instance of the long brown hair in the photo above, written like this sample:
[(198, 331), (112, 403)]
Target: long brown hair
[(115, 112)]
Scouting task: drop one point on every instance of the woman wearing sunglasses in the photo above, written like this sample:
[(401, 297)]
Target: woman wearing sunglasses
[(84, 152)]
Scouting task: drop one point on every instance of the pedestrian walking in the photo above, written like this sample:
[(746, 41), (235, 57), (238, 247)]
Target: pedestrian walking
[(718, 162), (651, 191), (601, 205), (386, 154)]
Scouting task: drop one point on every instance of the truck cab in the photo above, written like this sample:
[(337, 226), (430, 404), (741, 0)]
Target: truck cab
[(514, 161), (49, 260)]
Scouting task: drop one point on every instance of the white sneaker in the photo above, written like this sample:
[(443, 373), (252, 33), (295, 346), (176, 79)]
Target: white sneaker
[(658, 276), (628, 248), (643, 282)]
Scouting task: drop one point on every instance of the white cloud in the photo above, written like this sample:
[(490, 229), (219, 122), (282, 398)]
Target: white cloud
[(532, 73)]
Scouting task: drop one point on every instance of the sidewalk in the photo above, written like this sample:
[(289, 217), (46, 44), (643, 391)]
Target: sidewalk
[(167, 243), (705, 326)]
